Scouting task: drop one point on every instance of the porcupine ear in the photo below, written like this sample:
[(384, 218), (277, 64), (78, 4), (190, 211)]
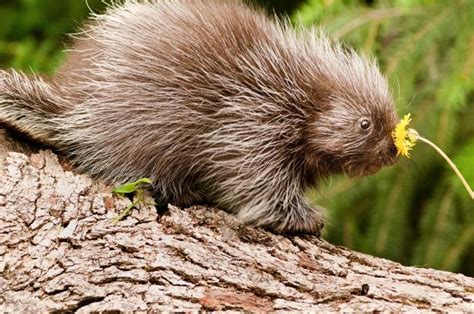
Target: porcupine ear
[(28, 105)]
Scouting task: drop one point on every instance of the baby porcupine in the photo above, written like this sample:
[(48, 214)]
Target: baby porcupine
[(214, 101)]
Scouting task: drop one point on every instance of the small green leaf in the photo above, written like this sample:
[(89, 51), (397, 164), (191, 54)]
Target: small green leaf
[(129, 188), (145, 181), (132, 187)]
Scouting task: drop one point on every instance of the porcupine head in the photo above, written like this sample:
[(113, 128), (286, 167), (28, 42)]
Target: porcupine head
[(351, 133)]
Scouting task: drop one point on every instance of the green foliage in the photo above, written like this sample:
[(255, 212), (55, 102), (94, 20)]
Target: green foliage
[(417, 212), (132, 187), (464, 162), (135, 189), (32, 35)]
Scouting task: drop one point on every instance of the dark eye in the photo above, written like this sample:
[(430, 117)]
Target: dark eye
[(365, 124)]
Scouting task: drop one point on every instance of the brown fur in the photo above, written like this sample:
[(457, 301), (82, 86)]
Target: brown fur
[(214, 101)]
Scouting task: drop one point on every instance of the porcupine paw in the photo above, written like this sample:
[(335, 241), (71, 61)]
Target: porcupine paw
[(308, 225), (308, 220)]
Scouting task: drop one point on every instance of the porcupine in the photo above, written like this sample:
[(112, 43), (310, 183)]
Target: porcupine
[(214, 101)]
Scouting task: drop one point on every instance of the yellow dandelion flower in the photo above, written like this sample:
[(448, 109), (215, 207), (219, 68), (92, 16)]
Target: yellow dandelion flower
[(403, 137)]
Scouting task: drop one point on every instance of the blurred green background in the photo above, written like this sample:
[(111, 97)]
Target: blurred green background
[(416, 212)]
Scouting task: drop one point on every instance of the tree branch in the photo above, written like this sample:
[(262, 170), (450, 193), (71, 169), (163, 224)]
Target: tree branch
[(59, 251)]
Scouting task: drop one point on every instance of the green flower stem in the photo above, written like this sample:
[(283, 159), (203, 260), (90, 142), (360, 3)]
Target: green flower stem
[(139, 200), (453, 166), (125, 213)]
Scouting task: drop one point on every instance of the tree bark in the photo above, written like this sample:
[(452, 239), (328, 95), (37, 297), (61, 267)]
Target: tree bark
[(59, 251)]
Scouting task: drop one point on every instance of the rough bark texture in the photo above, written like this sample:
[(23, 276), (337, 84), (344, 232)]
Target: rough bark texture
[(59, 251)]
